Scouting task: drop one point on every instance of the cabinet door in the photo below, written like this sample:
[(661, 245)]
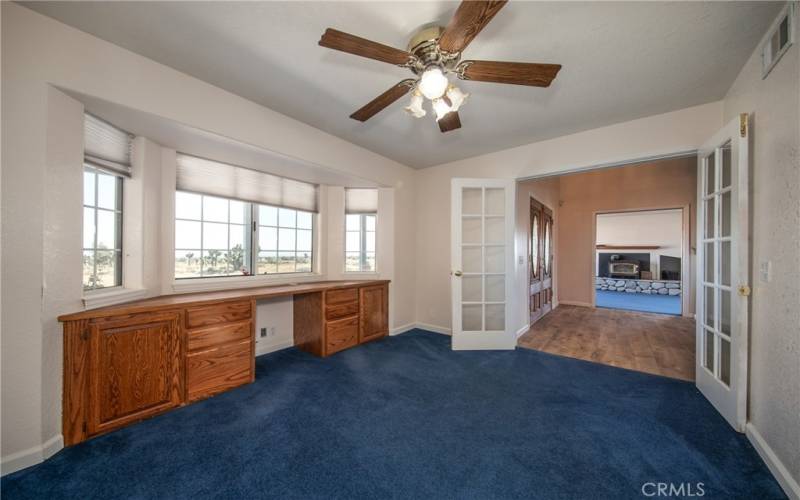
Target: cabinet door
[(374, 305), (136, 369)]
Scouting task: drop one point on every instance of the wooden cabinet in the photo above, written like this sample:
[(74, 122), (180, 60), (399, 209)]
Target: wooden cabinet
[(334, 320), (374, 306), (128, 362), (136, 362)]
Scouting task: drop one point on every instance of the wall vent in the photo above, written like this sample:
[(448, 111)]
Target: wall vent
[(779, 39)]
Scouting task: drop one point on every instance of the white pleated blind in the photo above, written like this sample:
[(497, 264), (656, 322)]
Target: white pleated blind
[(198, 175), (106, 146), (360, 201)]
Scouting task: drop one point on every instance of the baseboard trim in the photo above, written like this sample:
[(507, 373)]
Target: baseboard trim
[(433, 328), (32, 456), (402, 329), (274, 347), (575, 303), (781, 473), (522, 331)]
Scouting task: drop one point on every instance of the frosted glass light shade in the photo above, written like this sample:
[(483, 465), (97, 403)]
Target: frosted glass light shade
[(433, 83)]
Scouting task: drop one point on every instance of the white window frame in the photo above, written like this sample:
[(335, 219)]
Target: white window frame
[(118, 211), (199, 283), (362, 244)]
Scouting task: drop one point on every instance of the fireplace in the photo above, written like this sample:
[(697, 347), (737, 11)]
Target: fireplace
[(623, 269)]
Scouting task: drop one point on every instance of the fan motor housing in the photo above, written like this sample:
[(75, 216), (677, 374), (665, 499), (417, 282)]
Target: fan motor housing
[(424, 44)]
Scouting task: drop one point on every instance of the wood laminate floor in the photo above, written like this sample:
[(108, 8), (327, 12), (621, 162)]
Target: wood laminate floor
[(651, 343)]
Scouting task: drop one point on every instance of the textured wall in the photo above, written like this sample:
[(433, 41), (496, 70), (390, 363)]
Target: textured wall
[(775, 233), (664, 184)]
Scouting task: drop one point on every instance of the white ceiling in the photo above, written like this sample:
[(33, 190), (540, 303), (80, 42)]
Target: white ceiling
[(621, 61)]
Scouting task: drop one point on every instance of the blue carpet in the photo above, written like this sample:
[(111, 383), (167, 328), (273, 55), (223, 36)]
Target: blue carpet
[(662, 304), (406, 417)]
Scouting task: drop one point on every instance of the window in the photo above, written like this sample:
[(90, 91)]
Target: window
[(235, 221), (211, 236), (361, 207), (360, 243), (102, 229), (107, 159), (285, 240)]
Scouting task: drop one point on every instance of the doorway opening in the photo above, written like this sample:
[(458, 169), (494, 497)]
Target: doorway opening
[(639, 260), (567, 309)]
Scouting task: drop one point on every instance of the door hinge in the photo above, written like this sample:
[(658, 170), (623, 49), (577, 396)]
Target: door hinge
[(743, 124), (744, 290)]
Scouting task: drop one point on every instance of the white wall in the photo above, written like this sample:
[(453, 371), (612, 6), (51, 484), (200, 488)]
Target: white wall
[(774, 410), (683, 130), (40, 232), (662, 228), (277, 316)]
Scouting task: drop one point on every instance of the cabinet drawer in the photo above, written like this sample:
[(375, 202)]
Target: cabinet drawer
[(341, 335), (220, 334), (333, 297), (217, 313), (341, 310), (219, 369)]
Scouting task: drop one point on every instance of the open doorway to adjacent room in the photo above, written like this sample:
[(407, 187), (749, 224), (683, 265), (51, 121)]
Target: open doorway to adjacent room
[(570, 227), (639, 260)]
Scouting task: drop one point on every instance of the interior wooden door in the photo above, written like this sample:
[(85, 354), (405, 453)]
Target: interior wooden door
[(136, 369), (540, 260)]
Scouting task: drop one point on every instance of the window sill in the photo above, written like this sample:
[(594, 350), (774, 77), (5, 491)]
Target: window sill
[(365, 274), (212, 284), (101, 298)]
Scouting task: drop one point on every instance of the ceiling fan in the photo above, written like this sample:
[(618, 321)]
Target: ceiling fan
[(433, 53)]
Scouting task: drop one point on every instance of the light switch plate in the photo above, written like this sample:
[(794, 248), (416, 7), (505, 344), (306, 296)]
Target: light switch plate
[(766, 271)]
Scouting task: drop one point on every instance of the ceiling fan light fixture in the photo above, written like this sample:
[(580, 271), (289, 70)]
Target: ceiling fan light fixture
[(415, 108), (456, 96), (441, 108), (433, 83)]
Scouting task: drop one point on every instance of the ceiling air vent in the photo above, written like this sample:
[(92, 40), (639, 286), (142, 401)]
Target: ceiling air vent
[(780, 38)]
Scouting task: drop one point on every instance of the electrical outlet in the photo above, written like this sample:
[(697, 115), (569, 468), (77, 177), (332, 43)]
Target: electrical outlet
[(272, 331), (263, 332)]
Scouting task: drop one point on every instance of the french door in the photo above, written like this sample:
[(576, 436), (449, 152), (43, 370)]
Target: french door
[(722, 277), (540, 260), (482, 260)]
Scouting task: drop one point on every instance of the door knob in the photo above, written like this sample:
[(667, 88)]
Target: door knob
[(744, 290), (457, 274)]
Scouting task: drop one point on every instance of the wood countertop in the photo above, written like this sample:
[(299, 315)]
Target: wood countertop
[(177, 300)]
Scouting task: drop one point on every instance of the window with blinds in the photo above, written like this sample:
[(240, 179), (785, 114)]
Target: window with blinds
[(235, 221), (202, 176), (106, 147), (107, 160), (361, 209)]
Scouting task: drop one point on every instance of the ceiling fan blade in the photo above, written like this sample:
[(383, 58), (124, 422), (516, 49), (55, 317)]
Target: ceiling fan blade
[(450, 121), (376, 105), (533, 74), (339, 40), (469, 19)]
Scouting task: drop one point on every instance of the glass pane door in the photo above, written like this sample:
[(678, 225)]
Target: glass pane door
[(716, 315), (483, 256), (482, 253)]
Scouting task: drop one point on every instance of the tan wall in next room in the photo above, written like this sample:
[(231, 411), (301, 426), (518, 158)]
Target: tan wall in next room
[(663, 184)]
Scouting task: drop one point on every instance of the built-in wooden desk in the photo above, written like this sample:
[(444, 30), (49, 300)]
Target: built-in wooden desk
[(130, 361)]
